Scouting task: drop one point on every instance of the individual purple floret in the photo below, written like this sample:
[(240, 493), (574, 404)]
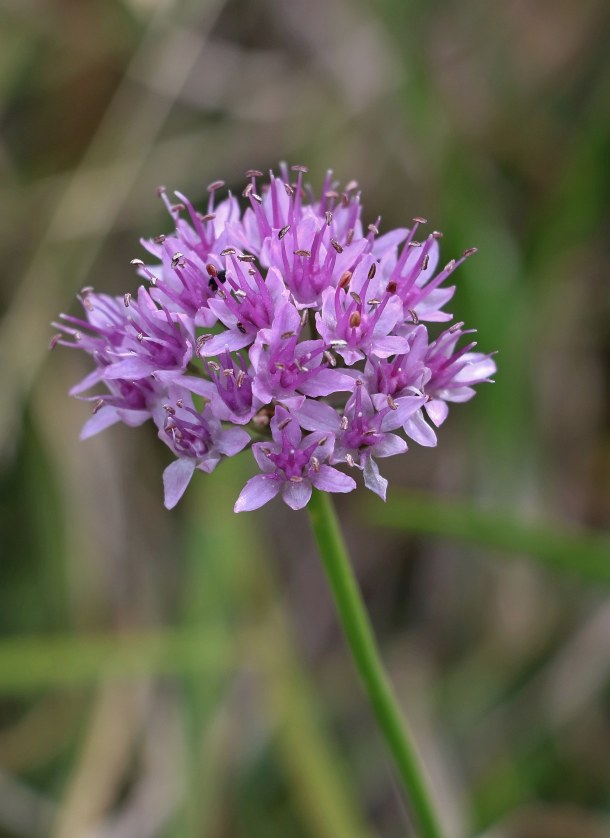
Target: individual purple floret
[(292, 464), (197, 439), (288, 315)]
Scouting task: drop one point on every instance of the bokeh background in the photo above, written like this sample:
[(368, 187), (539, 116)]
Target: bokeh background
[(183, 674)]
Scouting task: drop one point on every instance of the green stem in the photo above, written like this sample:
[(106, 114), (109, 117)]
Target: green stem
[(359, 633)]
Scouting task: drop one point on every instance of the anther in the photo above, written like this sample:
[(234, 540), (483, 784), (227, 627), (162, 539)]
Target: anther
[(336, 245), (228, 373), (344, 423), (176, 259), (254, 173), (228, 251), (299, 168), (391, 403), (329, 217), (256, 198), (470, 251), (127, 299), (315, 464), (345, 280), (169, 409), (426, 261), (216, 184), (356, 297), (203, 339), (283, 232), (211, 269), (331, 194), (247, 258), (414, 244), (355, 319), (373, 303), (241, 328), (209, 216), (436, 234), (296, 479), (247, 190), (414, 317), (350, 460), (99, 404), (353, 184), (140, 337), (241, 375), (178, 207), (456, 327), (289, 190), (283, 424), (287, 335), (305, 253), (350, 236), (372, 270), (161, 190), (373, 229), (240, 293), (330, 358), (338, 343), (55, 340), (159, 239), (419, 220), (450, 265), (137, 262), (391, 287)]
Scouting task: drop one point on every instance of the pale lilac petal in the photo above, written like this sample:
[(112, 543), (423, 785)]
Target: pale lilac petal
[(318, 416), (229, 341), (406, 406), (131, 369), (373, 480), (257, 492), (330, 479), (419, 430), (259, 451), (437, 410), (104, 418), (296, 495), (325, 382), (176, 478), (232, 441), (390, 444)]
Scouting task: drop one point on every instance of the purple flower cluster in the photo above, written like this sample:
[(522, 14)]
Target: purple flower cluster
[(287, 325)]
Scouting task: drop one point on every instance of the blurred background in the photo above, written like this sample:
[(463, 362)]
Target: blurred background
[(183, 674)]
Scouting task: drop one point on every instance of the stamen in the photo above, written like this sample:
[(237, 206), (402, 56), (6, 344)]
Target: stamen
[(55, 340), (330, 358), (344, 423), (350, 236), (283, 232), (345, 280), (355, 319), (216, 184), (287, 335), (391, 403), (329, 217), (137, 262), (159, 239), (315, 464), (470, 251), (356, 297), (254, 173), (305, 253), (241, 328), (391, 287), (414, 317), (372, 270), (127, 299), (419, 220), (228, 251), (336, 245), (299, 168), (247, 258)]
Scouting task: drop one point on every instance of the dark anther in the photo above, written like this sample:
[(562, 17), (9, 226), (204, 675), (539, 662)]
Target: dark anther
[(305, 253), (372, 270), (159, 239), (414, 317), (345, 280), (391, 287), (217, 184), (241, 328), (336, 245), (283, 232)]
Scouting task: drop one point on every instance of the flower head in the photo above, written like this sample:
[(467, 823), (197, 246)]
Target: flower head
[(282, 317)]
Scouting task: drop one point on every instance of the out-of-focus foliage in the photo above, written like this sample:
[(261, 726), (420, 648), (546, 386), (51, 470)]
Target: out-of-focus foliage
[(183, 674)]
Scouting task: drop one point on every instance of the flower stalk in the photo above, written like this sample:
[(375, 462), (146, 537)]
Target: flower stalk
[(359, 634)]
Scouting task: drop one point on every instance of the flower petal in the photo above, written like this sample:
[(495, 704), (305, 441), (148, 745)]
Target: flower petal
[(176, 478), (329, 479), (257, 492), (296, 495)]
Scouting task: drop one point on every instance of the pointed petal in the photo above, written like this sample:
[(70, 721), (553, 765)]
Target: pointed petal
[(257, 492), (330, 479), (176, 478), (296, 495), (418, 429), (373, 480)]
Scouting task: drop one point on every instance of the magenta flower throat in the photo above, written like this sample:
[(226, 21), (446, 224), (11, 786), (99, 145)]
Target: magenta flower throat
[(285, 325)]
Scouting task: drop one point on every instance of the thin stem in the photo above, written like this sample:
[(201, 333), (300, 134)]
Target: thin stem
[(359, 633)]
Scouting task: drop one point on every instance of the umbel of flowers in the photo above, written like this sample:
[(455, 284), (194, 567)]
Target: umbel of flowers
[(286, 325)]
